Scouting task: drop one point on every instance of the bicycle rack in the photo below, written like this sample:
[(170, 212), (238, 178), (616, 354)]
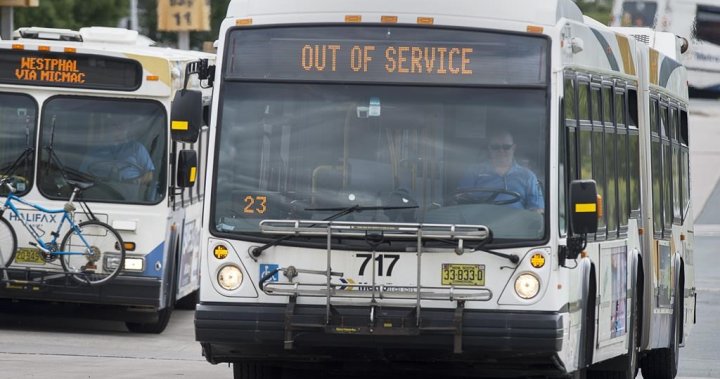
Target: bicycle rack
[(378, 295), (29, 279)]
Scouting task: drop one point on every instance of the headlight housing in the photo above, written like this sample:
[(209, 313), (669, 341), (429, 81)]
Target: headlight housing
[(527, 286), (111, 262), (230, 277)]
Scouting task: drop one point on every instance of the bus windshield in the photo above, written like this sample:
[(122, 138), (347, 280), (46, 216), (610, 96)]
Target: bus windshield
[(117, 144), (639, 13), (443, 154), (17, 133)]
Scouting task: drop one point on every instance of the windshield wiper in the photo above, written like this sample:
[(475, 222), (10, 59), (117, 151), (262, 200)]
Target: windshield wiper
[(341, 212), (511, 257), (479, 247), (24, 158)]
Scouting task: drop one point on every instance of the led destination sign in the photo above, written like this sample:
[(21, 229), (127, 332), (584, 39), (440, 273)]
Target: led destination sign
[(381, 54), (69, 70)]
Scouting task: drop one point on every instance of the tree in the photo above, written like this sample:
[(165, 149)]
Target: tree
[(72, 14), (597, 10), (75, 14), (148, 24)]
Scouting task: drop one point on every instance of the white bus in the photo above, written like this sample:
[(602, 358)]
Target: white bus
[(696, 20), (447, 188), (93, 105)]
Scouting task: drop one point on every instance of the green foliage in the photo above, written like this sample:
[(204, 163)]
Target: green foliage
[(148, 24), (75, 14), (599, 10), (72, 14)]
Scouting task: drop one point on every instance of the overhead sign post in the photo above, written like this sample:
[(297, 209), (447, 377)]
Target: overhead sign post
[(6, 8), (183, 16)]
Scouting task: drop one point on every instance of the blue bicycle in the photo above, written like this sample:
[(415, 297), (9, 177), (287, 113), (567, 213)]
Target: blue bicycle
[(92, 252)]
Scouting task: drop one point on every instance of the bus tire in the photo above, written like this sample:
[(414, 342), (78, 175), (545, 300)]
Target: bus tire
[(8, 243), (663, 363), (626, 366), (156, 327), (163, 315), (188, 302), (255, 370)]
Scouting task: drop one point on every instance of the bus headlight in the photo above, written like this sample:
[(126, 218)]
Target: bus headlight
[(111, 262), (230, 277), (527, 286)]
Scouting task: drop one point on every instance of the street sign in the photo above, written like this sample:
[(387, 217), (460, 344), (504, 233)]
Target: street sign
[(19, 3), (183, 15)]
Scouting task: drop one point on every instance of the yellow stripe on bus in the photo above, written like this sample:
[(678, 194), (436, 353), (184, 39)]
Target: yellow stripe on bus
[(193, 173), (628, 62), (654, 67), (179, 125), (585, 208)]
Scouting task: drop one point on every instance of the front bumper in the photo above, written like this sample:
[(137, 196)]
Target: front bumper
[(491, 342), (132, 291)]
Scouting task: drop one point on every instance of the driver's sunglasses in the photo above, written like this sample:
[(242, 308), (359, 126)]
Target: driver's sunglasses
[(505, 146)]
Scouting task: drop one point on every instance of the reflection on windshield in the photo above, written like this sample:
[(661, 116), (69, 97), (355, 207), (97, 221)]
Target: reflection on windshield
[(17, 131), (461, 155), (639, 13), (119, 145)]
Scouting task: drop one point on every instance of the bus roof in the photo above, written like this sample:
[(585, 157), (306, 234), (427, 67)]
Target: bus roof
[(546, 12), (102, 39), (159, 69)]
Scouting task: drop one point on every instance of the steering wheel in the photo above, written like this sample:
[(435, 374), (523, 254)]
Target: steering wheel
[(464, 196), (111, 169)]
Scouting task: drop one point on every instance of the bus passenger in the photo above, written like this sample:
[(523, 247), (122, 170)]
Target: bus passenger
[(501, 180)]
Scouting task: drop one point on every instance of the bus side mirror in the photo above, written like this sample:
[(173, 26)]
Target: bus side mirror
[(584, 215), (186, 116), (186, 168), (583, 207)]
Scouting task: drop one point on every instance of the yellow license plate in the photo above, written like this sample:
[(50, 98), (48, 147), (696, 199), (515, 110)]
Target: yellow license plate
[(29, 255), (463, 274)]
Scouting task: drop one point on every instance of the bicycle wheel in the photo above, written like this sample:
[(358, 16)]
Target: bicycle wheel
[(102, 257), (8, 243)]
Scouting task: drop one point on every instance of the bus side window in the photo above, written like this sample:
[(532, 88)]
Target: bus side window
[(675, 147), (633, 151), (623, 160), (684, 162), (568, 160), (656, 159), (598, 157), (610, 153)]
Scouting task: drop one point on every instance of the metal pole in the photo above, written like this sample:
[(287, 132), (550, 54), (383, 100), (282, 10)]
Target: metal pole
[(184, 40), (134, 15), (6, 23)]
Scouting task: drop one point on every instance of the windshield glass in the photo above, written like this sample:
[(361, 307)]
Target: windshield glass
[(285, 149), (460, 146), (17, 130), (639, 13), (117, 144)]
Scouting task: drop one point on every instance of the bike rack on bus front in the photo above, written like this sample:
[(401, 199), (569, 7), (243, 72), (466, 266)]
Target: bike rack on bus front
[(34, 279), (330, 290)]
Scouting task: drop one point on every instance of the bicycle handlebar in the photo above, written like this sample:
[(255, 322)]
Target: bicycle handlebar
[(6, 182)]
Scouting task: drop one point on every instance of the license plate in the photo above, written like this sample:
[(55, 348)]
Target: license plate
[(463, 274), (29, 255)]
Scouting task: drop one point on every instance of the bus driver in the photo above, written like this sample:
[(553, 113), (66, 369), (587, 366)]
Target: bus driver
[(120, 158), (501, 180)]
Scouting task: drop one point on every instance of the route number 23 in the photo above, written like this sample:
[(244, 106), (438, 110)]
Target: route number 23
[(255, 204)]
